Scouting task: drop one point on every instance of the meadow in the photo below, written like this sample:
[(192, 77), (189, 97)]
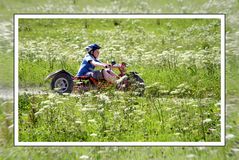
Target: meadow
[(181, 79), (229, 151)]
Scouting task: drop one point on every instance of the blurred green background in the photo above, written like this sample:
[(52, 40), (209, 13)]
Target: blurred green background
[(8, 8)]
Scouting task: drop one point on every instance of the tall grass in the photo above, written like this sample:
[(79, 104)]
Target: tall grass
[(179, 77), (114, 116), (230, 151)]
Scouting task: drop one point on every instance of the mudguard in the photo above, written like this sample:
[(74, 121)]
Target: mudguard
[(51, 75)]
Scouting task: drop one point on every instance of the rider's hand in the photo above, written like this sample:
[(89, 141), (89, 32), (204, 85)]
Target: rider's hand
[(122, 66), (107, 65)]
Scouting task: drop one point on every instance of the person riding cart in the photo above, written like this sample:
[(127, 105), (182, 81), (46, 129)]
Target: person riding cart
[(91, 60), (87, 78)]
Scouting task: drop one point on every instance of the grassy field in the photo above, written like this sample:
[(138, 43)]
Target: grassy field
[(230, 151), (6, 70), (181, 79)]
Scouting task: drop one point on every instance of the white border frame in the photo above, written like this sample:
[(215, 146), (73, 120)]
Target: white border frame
[(115, 16)]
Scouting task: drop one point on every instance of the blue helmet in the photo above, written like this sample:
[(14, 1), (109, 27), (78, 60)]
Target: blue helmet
[(92, 47)]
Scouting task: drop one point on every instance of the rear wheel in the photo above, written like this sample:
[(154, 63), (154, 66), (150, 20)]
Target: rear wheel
[(62, 83)]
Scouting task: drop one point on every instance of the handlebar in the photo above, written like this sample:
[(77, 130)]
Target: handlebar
[(108, 66), (113, 64), (121, 67)]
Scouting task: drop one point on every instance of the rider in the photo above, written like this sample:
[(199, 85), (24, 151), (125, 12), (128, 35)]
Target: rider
[(91, 61)]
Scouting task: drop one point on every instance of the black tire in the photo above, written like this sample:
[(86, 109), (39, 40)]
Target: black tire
[(137, 83), (62, 81), (132, 82), (136, 77)]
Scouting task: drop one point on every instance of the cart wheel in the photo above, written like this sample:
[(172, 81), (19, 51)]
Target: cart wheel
[(62, 83)]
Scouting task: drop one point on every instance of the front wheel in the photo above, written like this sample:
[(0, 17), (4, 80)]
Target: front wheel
[(62, 83), (132, 82)]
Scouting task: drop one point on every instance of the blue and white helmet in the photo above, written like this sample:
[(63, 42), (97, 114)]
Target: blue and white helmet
[(92, 47)]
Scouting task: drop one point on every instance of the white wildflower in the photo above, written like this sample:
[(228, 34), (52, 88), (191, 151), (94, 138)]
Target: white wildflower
[(92, 120), (51, 96), (228, 126), (87, 94), (66, 94), (177, 91), (178, 47), (191, 156), (119, 93), (64, 99), (212, 129), (101, 152), (201, 148), (235, 149), (230, 136), (78, 104), (207, 120), (46, 102), (183, 85), (177, 134), (168, 109), (41, 110), (185, 128), (59, 102), (88, 109), (37, 113), (93, 135), (10, 127), (84, 157), (104, 97), (195, 105), (141, 121), (79, 122), (116, 115), (46, 106), (218, 104), (101, 110)]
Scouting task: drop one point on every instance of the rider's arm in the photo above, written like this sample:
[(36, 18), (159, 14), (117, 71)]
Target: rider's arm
[(115, 66), (98, 64), (118, 66)]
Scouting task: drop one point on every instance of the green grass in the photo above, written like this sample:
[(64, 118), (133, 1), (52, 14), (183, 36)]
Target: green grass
[(170, 33), (34, 74), (114, 116), (7, 8), (157, 49), (6, 70)]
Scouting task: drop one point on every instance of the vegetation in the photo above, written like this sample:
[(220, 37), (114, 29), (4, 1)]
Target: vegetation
[(182, 79), (230, 151)]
